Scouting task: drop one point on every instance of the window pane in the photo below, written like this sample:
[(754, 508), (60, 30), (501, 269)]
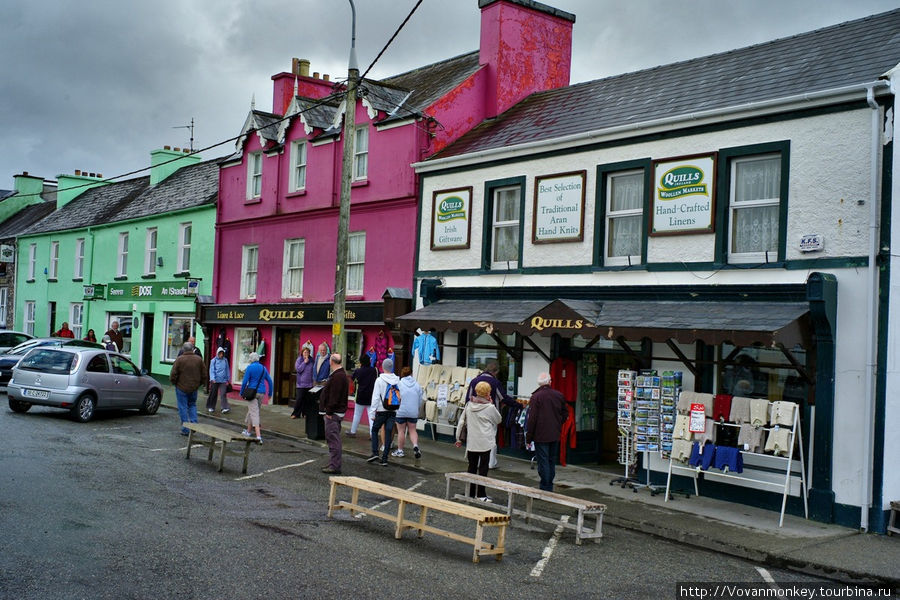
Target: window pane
[(354, 278), (187, 235), (626, 192), (357, 248), (755, 229), (757, 179), (361, 165), (506, 244), (624, 236), (506, 205), (362, 139)]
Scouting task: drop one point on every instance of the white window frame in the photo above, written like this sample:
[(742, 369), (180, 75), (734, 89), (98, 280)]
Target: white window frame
[(150, 244), (185, 237), (78, 267), (298, 165), (290, 269), (733, 207), (174, 338), (356, 263), (612, 215), (32, 260), (76, 318), (495, 225), (361, 153), (4, 305), (249, 254), (53, 271), (28, 324), (122, 257), (254, 175)]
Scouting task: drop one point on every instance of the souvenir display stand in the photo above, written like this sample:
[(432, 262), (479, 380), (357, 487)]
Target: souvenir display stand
[(757, 465), (445, 387), (625, 422)]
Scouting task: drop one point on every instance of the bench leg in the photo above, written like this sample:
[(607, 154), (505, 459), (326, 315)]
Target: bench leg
[(422, 516), (246, 456), (190, 443), (221, 456), (332, 494), (354, 500), (509, 504), (401, 508), (479, 535), (579, 526), (528, 506), (501, 538), (599, 530), (212, 447)]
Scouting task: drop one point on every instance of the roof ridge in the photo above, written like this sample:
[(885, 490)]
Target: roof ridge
[(434, 64)]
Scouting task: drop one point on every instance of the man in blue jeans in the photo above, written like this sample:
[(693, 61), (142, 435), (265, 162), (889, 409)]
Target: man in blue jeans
[(187, 375), (547, 412)]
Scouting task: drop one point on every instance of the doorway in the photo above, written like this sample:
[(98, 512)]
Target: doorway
[(51, 318), (147, 343), (287, 347)]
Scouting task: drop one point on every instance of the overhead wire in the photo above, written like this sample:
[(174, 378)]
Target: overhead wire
[(396, 33)]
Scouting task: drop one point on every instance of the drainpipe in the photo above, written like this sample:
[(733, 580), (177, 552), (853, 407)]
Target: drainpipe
[(871, 324)]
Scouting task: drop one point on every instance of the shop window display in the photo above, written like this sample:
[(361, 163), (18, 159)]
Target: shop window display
[(245, 342), (179, 328)]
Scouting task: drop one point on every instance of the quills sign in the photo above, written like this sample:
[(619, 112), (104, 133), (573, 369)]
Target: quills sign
[(683, 195), (541, 323), (451, 223)]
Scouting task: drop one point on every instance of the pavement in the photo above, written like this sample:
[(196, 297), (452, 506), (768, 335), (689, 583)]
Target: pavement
[(746, 532)]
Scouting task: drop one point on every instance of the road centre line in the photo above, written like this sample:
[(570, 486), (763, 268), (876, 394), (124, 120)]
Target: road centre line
[(767, 577), (551, 546), (304, 463), (389, 500), (167, 449)]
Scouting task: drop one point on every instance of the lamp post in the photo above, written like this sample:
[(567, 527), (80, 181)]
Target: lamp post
[(338, 335)]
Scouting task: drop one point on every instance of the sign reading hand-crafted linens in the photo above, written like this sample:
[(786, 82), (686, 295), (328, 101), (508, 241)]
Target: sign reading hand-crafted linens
[(451, 222), (683, 195), (559, 208)]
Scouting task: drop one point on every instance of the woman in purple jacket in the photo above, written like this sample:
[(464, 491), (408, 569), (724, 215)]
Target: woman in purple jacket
[(304, 367)]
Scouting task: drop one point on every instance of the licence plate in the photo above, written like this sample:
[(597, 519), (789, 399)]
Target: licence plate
[(36, 394)]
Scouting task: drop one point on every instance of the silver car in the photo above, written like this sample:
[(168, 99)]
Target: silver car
[(81, 380)]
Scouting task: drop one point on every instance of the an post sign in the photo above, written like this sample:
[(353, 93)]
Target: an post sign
[(155, 290), (683, 195), (558, 208), (451, 219)]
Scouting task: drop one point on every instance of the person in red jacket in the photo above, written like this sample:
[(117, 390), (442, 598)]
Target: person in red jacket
[(64, 331), (547, 412)]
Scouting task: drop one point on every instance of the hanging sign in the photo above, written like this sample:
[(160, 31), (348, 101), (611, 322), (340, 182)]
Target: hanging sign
[(451, 219), (698, 419), (683, 195), (558, 208)]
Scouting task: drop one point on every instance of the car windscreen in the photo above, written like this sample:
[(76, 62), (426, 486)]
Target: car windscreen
[(26, 346), (48, 361)]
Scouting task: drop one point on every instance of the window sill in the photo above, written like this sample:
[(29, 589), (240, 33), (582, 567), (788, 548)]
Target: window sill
[(247, 301), (355, 297), (182, 274), (52, 280), (296, 194), (29, 281), (359, 183), (149, 276), (256, 200), (292, 298), (120, 277)]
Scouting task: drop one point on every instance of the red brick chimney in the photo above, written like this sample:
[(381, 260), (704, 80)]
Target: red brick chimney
[(308, 87)]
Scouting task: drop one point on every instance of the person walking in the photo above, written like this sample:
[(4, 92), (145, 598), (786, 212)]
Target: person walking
[(547, 411), (498, 394), (364, 376), (384, 417), (253, 388), (479, 420), (187, 375), (412, 396), (219, 378), (64, 332), (333, 402), (303, 366), (116, 336)]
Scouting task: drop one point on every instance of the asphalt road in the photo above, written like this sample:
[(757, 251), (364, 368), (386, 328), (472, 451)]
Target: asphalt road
[(111, 509)]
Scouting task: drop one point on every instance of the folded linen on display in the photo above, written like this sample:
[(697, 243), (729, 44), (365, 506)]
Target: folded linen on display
[(779, 441), (424, 375), (729, 458), (750, 438), (681, 450), (740, 410), (759, 412), (682, 428), (783, 413), (709, 434), (702, 455)]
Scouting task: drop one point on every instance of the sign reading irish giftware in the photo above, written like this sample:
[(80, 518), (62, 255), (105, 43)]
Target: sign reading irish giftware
[(451, 222), (558, 208), (683, 195)]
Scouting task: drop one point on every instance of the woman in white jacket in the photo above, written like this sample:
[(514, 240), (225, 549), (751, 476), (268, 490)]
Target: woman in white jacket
[(479, 420)]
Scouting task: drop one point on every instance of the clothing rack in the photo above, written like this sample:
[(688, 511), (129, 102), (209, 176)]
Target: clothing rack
[(796, 441)]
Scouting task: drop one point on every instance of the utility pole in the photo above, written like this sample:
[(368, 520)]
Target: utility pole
[(338, 335)]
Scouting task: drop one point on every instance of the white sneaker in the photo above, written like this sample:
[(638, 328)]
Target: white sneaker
[(485, 499), (246, 433), (381, 449), (398, 453), (210, 410)]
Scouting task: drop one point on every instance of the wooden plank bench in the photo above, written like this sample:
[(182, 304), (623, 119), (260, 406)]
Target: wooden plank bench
[(219, 435), (483, 518), (583, 507)]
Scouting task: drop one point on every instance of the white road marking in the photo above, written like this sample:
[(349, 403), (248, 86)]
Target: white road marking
[(111, 428), (389, 500), (767, 577), (168, 449), (551, 546), (304, 463)]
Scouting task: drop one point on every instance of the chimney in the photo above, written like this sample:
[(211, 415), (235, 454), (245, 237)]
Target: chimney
[(165, 162), (70, 187), (308, 87), (304, 67), (326, 77), (526, 47)]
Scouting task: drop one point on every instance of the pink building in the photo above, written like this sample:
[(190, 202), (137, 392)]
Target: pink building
[(276, 225)]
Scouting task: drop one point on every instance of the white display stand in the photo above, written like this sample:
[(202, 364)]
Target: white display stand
[(788, 484)]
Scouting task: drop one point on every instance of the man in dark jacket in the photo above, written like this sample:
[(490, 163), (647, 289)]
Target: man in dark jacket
[(333, 402), (187, 375), (547, 412), (116, 336), (498, 395)]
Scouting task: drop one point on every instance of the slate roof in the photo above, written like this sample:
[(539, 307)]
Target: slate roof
[(427, 84), (850, 53), (6, 194), (26, 217), (189, 187)]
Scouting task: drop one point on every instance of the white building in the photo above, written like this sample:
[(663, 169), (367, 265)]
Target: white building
[(727, 216)]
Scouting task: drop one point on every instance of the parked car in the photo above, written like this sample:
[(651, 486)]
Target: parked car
[(11, 357), (81, 380), (11, 339)]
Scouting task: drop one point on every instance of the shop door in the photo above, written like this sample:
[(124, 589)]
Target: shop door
[(51, 318), (287, 347), (147, 344)]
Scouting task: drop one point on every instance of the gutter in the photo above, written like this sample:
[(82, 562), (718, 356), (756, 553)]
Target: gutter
[(765, 107)]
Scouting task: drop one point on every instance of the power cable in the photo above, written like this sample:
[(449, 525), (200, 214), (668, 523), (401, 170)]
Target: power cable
[(414, 8)]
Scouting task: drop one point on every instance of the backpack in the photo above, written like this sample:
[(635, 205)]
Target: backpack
[(391, 400)]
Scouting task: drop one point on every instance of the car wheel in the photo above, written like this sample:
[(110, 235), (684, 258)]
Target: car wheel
[(151, 403), (83, 410), (19, 406)]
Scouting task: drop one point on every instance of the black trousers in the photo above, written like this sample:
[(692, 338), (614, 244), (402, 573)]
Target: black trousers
[(478, 463)]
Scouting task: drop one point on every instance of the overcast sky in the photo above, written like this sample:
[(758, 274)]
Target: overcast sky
[(97, 84)]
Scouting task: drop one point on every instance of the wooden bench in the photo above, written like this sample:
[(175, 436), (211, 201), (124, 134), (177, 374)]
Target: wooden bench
[(892, 527), (483, 518), (219, 435), (583, 507)]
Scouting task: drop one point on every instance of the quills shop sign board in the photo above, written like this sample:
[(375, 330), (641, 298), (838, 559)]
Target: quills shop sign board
[(683, 195), (451, 219), (558, 208)]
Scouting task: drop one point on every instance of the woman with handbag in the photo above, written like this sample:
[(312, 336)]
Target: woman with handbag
[(253, 387), (478, 429)]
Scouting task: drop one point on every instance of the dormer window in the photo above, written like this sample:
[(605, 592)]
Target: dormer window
[(254, 175)]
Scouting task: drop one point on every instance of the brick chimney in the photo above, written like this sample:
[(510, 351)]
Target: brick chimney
[(308, 87), (526, 47)]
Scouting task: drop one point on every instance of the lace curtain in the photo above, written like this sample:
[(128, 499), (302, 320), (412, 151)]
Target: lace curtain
[(506, 225), (755, 205), (626, 199)]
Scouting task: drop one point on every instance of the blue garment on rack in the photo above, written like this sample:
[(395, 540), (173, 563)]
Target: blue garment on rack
[(704, 459), (727, 456)]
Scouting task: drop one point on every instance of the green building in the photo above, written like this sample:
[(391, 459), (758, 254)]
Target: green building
[(136, 252)]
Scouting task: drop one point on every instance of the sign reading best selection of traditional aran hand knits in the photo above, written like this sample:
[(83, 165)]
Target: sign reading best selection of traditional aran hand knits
[(451, 222), (558, 208), (683, 195)]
